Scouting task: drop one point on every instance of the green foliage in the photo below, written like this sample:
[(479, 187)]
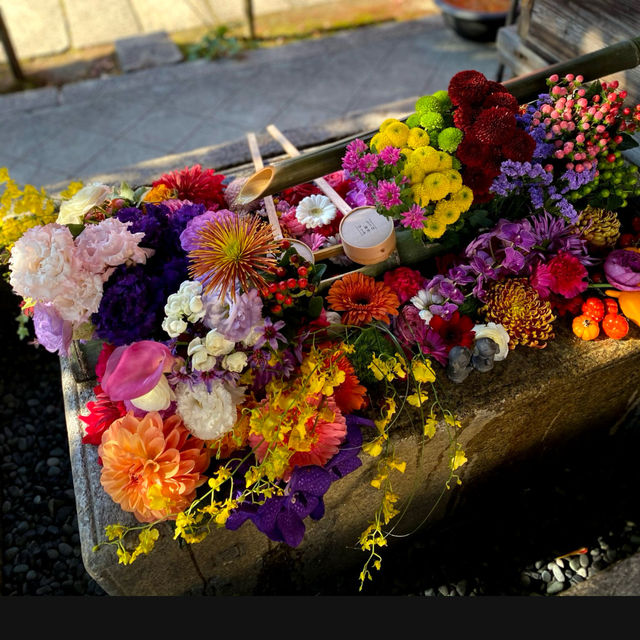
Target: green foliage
[(214, 45)]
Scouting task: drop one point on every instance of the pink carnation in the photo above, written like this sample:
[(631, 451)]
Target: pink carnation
[(289, 222), (568, 275), (104, 246)]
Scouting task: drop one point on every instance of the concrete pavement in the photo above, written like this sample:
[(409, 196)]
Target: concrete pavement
[(165, 117)]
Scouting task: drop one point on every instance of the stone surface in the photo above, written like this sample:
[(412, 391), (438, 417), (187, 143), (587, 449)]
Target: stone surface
[(620, 579), (92, 23), (36, 28), (533, 402), (149, 50)]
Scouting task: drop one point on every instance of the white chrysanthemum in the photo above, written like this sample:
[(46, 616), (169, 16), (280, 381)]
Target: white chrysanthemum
[(208, 415), (315, 211), (498, 334), (235, 362)]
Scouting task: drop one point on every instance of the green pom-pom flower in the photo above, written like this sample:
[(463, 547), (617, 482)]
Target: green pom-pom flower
[(432, 121), (443, 98), (449, 139), (413, 120), (428, 104)]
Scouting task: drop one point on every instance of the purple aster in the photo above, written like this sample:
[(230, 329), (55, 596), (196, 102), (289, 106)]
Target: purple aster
[(414, 217)]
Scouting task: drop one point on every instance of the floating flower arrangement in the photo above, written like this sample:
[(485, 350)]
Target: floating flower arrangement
[(238, 380)]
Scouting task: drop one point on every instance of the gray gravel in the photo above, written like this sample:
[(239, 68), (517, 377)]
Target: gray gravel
[(504, 542)]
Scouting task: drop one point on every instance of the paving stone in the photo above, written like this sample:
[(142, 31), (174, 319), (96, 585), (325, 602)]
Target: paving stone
[(36, 28), (149, 50), (30, 100)]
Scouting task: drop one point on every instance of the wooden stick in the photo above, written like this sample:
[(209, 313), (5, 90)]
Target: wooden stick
[(324, 186), (268, 200)]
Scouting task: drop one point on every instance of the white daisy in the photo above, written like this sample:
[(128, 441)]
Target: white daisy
[(315, 211)]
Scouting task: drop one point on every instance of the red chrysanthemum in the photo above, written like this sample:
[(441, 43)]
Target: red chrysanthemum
[(502, 99), (102, 413), (474, 153), (519, 147), (362, 299), (464, 116), (494, 126), (455, 332), (468, 87), (405, 282), (197, 185), (479, 180), (568, 275)]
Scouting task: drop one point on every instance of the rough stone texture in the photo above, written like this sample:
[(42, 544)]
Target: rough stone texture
[(528, 404), (36, 28), (620, 579), (150, 50), (25, 101)]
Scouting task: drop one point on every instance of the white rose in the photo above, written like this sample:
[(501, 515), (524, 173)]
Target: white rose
[(158, 399), (200, 359), (217, 344), (73, 210), (174, 326), (235, 362), (498, 334)]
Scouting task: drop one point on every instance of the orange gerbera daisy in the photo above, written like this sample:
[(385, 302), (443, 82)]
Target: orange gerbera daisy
[(362, 299), (152, 467)]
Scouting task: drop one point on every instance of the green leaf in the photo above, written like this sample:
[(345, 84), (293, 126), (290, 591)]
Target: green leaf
[(126, 191), (76, 229), (318, 270), (315, 306)]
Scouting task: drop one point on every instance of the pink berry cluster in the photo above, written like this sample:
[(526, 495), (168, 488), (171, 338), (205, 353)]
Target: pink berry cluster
[(585, 123)]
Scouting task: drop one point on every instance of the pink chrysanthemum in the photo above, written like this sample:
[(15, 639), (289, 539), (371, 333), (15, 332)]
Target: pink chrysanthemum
[(389, 155), (413, 218)]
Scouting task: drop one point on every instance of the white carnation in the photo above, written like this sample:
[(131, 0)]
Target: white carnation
[(208, 415), (315, 211), (498, 334)]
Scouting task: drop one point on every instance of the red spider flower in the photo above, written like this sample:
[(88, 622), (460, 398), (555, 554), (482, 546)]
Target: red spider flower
[(405, 282), (456, 332), (200, 186)]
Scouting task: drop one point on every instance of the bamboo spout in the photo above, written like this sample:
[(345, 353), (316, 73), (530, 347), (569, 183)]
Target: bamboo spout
[(327, 159)]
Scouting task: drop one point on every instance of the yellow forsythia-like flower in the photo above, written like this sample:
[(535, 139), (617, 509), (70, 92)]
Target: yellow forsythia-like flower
[(422, 370)]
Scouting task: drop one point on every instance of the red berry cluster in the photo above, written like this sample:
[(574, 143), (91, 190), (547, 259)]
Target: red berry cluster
[(290, 283), (486, 113)]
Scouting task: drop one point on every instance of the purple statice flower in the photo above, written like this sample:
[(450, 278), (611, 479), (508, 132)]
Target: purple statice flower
[(576, 179), (52, 331), (368, 163), (270, 334), (388, 194), (413, 218), (389, 155), (281, 518)]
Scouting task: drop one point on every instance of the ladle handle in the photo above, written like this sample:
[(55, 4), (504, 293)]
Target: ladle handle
[(272, 214), (323, 185)]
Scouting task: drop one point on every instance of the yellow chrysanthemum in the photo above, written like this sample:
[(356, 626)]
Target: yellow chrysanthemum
[(434, 228), (455, 180), (387, 122), (447, 211), (463, 198), (380, 141), (418, 137), (415, 173), (435, 186), (398, 133), (427, 158), (446, 161)]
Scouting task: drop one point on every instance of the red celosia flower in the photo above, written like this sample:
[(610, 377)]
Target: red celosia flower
[(405, 282), (568, 275), (456, 332), (519, 147), (468, 87), (494, 125), (362, 299), (197, 185), (102, 413)]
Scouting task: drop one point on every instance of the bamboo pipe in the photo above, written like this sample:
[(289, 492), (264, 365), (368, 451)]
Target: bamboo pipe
[(327, 159)]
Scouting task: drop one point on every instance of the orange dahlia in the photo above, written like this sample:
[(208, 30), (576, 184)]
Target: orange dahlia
[(152, 467), (362, 299)]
